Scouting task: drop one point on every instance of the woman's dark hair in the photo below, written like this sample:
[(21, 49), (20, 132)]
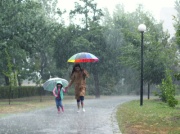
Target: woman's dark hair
[(76, 65), (81, 69)]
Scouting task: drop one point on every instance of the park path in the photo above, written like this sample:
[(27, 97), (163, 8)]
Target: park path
[(99, 118)]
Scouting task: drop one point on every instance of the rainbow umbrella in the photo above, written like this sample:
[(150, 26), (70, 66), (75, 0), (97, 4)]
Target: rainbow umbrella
[(83, 57)]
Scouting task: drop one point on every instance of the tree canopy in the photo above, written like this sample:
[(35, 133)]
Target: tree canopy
[(35, 44)]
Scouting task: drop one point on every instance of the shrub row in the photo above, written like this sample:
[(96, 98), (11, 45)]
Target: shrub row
[(19, 92)]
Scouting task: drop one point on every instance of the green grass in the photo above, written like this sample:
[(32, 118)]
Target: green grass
[(154, 117)]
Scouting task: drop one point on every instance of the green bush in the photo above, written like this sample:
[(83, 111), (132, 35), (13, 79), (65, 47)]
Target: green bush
[(167, 91), (21, 91), (172, 102)]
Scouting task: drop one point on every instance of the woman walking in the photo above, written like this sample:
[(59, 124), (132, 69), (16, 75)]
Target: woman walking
[(78, 77)]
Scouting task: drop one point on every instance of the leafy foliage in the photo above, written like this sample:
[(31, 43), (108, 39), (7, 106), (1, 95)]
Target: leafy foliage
[(38, 44), (167, 90)]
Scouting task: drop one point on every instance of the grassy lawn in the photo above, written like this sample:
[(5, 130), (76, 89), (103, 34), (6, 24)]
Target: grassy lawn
[(28, 104), (154, 117)]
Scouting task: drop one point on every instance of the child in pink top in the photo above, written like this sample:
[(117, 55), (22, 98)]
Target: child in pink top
[(58, 93)]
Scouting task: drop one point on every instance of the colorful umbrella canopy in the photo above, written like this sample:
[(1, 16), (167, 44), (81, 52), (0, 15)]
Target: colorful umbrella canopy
[(83, 57), (51, 83)]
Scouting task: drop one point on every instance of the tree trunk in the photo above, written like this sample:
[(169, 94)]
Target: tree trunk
[(96, 81), (10, 95), (6, 80), (148, 91), (19, 81), (43, 65), (86, 15)]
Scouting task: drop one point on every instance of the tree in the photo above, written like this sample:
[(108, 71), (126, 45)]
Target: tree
[(82, 38), (27, 32), (155, 45), (15, 36), (176, 39), (89, 11)]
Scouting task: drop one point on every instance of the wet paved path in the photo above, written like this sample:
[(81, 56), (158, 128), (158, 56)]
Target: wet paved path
[(99, 118)]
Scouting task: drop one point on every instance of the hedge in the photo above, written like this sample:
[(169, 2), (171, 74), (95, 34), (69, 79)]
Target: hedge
[(21, 91)]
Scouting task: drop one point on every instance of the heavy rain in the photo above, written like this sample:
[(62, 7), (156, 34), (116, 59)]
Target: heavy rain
[(89, 67)]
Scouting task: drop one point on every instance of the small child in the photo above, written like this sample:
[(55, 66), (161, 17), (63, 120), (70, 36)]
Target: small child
[(58, 93)]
